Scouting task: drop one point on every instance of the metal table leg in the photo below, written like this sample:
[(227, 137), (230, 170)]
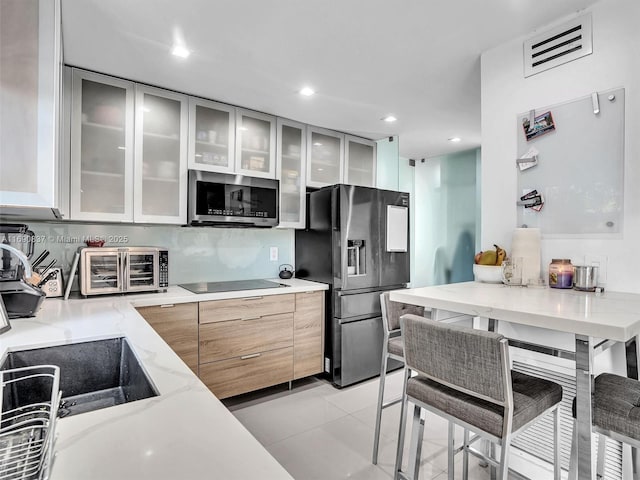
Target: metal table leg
[(631, 350), (584, 366)]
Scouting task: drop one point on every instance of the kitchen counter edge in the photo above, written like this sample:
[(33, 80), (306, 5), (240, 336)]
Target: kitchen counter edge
[(185, 432)]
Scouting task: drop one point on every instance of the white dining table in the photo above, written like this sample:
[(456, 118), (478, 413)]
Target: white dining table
[(590, 317)]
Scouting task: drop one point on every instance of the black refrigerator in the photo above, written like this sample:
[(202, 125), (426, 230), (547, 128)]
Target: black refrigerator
[(357, 242)]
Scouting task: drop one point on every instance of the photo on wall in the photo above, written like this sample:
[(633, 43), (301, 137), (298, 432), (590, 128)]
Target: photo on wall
[(542, 124)]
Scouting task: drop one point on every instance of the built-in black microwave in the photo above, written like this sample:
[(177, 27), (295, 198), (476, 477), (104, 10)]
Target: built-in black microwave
[(220, 199)]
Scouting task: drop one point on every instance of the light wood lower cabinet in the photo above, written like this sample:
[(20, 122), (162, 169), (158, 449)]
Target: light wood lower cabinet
[(308, 334), (234, 376), (256, 342), (178, 326), (239, 345), (246, 308), (235, 338)]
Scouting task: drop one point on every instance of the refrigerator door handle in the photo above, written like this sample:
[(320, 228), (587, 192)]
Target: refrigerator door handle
[(335, 209)]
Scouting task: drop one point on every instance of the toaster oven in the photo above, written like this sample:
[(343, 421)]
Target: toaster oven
[(123, 270)]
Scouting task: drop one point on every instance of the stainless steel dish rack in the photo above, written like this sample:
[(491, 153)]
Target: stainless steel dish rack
[(29, 399)]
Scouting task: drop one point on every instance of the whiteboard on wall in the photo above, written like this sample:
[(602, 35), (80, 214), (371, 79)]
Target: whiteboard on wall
[(580, 168)]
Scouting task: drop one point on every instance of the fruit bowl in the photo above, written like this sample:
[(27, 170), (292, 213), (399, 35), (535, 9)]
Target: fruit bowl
[(487, 273)]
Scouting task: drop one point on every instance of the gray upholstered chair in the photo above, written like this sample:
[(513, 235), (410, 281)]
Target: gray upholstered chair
[(464, 376), (615, 409), (391, 349)]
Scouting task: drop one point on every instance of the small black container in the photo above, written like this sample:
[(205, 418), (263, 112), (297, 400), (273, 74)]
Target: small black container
[(286, 273)]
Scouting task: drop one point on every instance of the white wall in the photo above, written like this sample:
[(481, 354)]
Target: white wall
[(615, 62)]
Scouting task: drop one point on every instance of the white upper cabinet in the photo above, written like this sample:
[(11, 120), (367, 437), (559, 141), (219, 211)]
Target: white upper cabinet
[(101, 148), (30, 84), (360, 161), (255, 144), (291, 169), (325, 157), (128, 151), (211, 136), (160, 180)]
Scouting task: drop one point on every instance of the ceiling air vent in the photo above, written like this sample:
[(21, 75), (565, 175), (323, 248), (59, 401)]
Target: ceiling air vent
[(559, 45)]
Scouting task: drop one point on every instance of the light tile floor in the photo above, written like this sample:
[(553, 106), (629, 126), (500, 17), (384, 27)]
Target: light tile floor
[(318, 432)]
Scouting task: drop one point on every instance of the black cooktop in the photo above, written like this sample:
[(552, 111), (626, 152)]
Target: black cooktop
[(213, 287)]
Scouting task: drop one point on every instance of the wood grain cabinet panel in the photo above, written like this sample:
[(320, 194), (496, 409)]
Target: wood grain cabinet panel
[(256, 342), (308, 334), (246, 308), (178, 326), (235, 376), (234, 338)]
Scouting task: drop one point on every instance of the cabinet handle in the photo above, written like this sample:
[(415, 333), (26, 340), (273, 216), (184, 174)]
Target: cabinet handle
[(247, 357), (168, 305), (252, 298), (251, 318)]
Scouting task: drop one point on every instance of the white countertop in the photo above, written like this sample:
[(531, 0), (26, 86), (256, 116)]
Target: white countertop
[(611, 315), (184, 433)]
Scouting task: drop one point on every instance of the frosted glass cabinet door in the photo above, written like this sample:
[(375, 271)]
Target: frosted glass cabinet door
[(29, 102), (324, 157), (101, 148), (160, 189), (211, 136), (292, 143), (255, 144), (360, 161)]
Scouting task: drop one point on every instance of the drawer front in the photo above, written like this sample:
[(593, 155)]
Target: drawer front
[(234, 338), (177, 324), (234, 376), (244, 308), (359, 304)]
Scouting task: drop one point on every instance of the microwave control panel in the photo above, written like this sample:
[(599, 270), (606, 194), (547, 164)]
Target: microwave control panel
[(163, 277)]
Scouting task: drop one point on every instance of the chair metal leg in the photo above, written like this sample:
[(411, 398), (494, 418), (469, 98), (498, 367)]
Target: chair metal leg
[(602, 447), (573, 457), (557, 468), (376, 438), (415, 450), (451, 441), (486, 448), (401, 429), (635, 463), (492, 453), (465, 456), (503, 470)]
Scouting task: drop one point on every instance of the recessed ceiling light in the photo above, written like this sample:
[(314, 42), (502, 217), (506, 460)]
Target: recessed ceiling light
[(389, 118), (455, 139), (180, 51), (317, 144), (307, 91)]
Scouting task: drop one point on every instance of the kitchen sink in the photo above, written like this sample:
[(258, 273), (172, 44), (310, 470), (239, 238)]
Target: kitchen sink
[(93, 375)]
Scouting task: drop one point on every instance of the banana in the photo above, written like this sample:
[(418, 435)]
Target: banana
[(491, 257), (501, 254)]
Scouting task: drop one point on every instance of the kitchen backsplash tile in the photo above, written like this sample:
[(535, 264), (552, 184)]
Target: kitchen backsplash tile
[(195, 253)]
